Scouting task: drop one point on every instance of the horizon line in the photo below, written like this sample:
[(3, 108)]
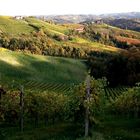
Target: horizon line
[(69, 14)]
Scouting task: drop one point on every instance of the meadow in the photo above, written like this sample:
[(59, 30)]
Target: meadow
[(22, 68)]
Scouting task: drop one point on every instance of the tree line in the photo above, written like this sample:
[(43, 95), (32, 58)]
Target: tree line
[(41, 42), (119, 69)]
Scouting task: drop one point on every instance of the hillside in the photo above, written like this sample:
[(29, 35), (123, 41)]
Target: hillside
[(130, 24), (13, 26), (49, 27), (50, 39), (22, 67), (65, 40), (111, 35)]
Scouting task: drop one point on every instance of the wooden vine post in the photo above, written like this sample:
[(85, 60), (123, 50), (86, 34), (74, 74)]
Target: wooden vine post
[(21, 108), (87, 108)]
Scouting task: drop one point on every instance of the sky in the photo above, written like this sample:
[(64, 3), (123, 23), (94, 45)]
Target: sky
[(59, 7)]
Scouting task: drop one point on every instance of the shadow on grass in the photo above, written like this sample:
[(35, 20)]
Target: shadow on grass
[(60, 131)]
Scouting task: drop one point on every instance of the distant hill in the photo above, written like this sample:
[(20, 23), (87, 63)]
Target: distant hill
[(129, 15), (107, 34), (69, 18), (82, 18), (131, 24)]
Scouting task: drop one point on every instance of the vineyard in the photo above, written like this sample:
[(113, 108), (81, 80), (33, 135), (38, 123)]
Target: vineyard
[(37, 86), (43, 81), (112, 93), (53, 104), (42, 86)]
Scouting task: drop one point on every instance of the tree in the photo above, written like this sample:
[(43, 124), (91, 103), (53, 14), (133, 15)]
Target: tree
[(92, 104)]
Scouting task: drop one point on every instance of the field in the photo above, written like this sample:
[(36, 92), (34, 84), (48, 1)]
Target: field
[(39, 70), (129, 40), (7, 25), (27, 25), (51, 28)]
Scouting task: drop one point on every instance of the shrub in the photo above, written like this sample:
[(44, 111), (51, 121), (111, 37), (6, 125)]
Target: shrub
[(128, 103)]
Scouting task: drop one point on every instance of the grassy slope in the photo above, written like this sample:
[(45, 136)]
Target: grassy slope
[(51, 28), (94, 46), (25, 67), (13, 26)]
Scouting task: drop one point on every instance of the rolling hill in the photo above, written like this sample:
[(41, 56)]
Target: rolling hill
[(114, 36), (81, 18), (41, 36), (130, 24), (48, 59), (23, 68), (12, 26), (51, 28)]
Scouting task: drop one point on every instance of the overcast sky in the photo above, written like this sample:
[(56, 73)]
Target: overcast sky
[(57, 7)]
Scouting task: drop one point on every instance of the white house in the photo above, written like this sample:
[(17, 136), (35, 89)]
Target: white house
[(18, 17)]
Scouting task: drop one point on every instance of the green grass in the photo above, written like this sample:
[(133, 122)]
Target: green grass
[(58, 131), (51, 28), (116, 127), (92, 45), (12, 26), (22, 67), (15, 27), (110, 128)]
